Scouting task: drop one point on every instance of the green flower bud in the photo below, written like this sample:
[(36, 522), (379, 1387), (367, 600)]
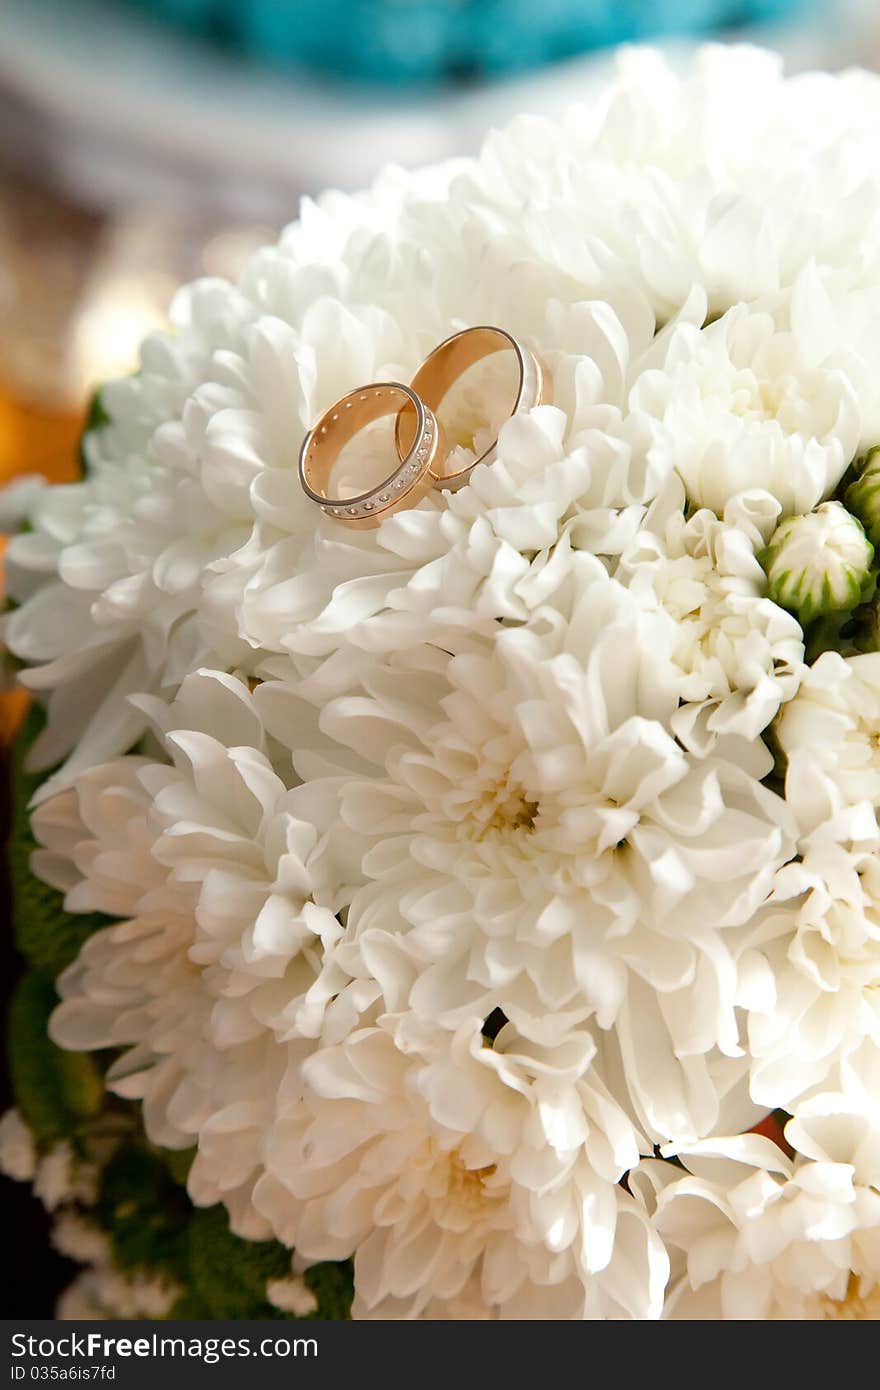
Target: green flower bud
[(818, 563), (863, 496)]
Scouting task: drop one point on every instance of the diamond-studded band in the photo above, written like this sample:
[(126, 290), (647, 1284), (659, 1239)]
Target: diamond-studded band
[(419, 443), (451, 359)]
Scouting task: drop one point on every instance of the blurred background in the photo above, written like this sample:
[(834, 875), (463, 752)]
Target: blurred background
[(146, 142)]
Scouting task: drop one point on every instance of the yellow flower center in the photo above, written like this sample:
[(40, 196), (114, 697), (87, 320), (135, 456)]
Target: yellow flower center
[(855, 1306), (466, 1185), (499, 806), (515, 812)]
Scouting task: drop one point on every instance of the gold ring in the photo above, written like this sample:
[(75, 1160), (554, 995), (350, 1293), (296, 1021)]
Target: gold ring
[(450, 360), (411, 478)]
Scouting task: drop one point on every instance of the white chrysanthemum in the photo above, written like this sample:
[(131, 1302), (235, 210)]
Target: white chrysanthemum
[(18, 1151), (568, 477), (615, 214), (681, 182), (738, 656), (745, 404), (830, 735), (459, 1169), (75, 1236), (62, 1176), (550, 850), (133, 544), (483, 891), (227, 914), (764, 1237), (810, 966), (102, 1293), (79, 1301), (104, 573)]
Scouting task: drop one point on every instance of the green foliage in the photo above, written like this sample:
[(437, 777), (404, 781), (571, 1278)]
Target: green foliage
[(54, 1090), (229, 1274), (333, 1286), (47, 936), (178, 1162), (850, 634), (96, 417), (190, 1307), (145, 1212), (154, 1229)]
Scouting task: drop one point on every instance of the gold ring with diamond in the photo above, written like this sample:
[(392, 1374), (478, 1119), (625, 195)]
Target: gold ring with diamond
[(409, 480), (450, 360)]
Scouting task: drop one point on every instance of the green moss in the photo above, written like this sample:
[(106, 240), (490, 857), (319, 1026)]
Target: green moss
[(228, 1274), (333, 1286), (188, 1307), (54, 1090), (145, 1212), (154, 1229)]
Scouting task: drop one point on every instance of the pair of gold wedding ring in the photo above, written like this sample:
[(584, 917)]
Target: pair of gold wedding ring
[(418, 437)]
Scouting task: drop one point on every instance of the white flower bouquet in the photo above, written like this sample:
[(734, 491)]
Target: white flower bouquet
[(479, 911)]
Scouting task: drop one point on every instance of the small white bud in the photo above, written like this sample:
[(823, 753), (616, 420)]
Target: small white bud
[(291, 1295), (818, 563), (18, 1154)]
